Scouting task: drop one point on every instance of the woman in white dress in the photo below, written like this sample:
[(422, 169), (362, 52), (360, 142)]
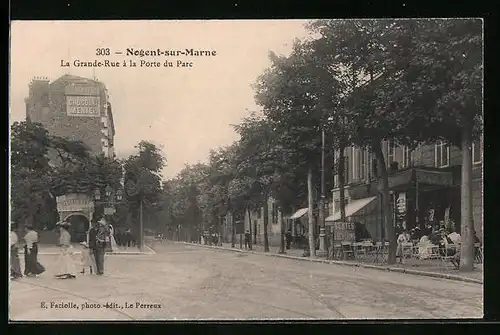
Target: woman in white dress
[(114, 246), (65, 268)]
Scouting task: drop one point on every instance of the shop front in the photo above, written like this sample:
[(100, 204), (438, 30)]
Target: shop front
[(422, 197)]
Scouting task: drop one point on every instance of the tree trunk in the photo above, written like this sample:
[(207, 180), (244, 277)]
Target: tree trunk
[(219, 240), (386, 202), (467, 223), (312, 245), (282, 237), (233, 232), (341, 173), (249, 228), (266, 222)]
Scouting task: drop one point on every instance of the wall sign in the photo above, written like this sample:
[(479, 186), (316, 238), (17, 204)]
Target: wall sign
[(82, 90), (343, 231), (87, 106)]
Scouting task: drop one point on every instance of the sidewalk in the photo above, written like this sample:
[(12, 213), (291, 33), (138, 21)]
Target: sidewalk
[(44, 249), (432, 268)]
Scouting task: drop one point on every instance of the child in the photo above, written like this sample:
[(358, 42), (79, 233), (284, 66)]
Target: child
[(88, 261)]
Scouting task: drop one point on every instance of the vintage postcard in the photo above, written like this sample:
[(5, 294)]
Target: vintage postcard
[(246, 169)]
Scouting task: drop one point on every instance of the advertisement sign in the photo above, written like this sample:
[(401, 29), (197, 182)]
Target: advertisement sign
[(82, 90), (343, 231), (74, 203), (88, 106)]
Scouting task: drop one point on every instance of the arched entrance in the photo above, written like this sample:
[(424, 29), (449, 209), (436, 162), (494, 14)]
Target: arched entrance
[(80, 224)]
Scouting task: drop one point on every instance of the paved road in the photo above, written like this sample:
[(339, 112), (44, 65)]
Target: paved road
[(189, 282)]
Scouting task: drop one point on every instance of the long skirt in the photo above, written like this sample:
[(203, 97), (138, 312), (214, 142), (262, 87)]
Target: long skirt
[(114, 246), (31, 264), (65, 264), (88, 261), (15, 265)]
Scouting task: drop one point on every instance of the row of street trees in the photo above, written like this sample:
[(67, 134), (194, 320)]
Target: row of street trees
[(360, 82), (44, 166)]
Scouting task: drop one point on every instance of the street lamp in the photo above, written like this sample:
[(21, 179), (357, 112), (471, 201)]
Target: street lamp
[(112, 198)]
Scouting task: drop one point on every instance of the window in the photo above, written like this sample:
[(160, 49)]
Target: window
[(336, 155), (337, 204), (442, 154), (391, 153), (408, 157), (363, 157), (476, 152), (346, 170), (355, 164)]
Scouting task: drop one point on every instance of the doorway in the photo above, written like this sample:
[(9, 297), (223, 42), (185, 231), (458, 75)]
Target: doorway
[(79, 227)]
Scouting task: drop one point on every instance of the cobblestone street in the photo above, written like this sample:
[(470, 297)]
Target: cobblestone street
[(189, 282)]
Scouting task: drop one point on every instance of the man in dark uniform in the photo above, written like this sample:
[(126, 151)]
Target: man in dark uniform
[(97, 244)]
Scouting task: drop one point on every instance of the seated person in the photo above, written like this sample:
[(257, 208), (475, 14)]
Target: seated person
[(424, 247)]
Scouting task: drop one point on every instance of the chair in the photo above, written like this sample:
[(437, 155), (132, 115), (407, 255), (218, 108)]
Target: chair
[(347, 250), (379, 252), (336, 251), (434, 253), (407, 249), (448, 257)]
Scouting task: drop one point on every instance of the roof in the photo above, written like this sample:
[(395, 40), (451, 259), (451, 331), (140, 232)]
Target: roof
[(71, 77)]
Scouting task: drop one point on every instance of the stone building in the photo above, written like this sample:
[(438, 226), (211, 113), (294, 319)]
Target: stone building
[(75, 108)]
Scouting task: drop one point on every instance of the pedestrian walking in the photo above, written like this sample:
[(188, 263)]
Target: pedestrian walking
[(248, 243), (88, 260), (65, 267), (289, 238), (15, 265), (32, 267)]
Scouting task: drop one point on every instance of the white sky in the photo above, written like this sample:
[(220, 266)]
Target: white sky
[(186, 111)]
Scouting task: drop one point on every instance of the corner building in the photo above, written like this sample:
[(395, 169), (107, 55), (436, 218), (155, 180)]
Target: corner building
[(78, 109)]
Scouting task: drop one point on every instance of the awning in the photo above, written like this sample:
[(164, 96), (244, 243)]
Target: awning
[(352, 208), (300, 213)]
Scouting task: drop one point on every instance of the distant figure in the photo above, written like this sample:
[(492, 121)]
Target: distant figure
[(31, 265), (403, 238), (65, 267), (288, 238), (128, 238), (15, 265), (248, 243)]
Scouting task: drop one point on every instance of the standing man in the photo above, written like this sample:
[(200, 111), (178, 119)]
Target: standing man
[(248, 243), (97, 243)]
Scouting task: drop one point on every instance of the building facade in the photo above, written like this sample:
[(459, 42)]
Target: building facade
[(77, 109), (255, 224), (424, 185)]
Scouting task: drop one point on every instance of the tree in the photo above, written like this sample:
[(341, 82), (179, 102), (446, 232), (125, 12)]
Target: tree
[(419, 81), (142, 179), (44, 166), (445, 76), (298, 96), (258, 158)]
